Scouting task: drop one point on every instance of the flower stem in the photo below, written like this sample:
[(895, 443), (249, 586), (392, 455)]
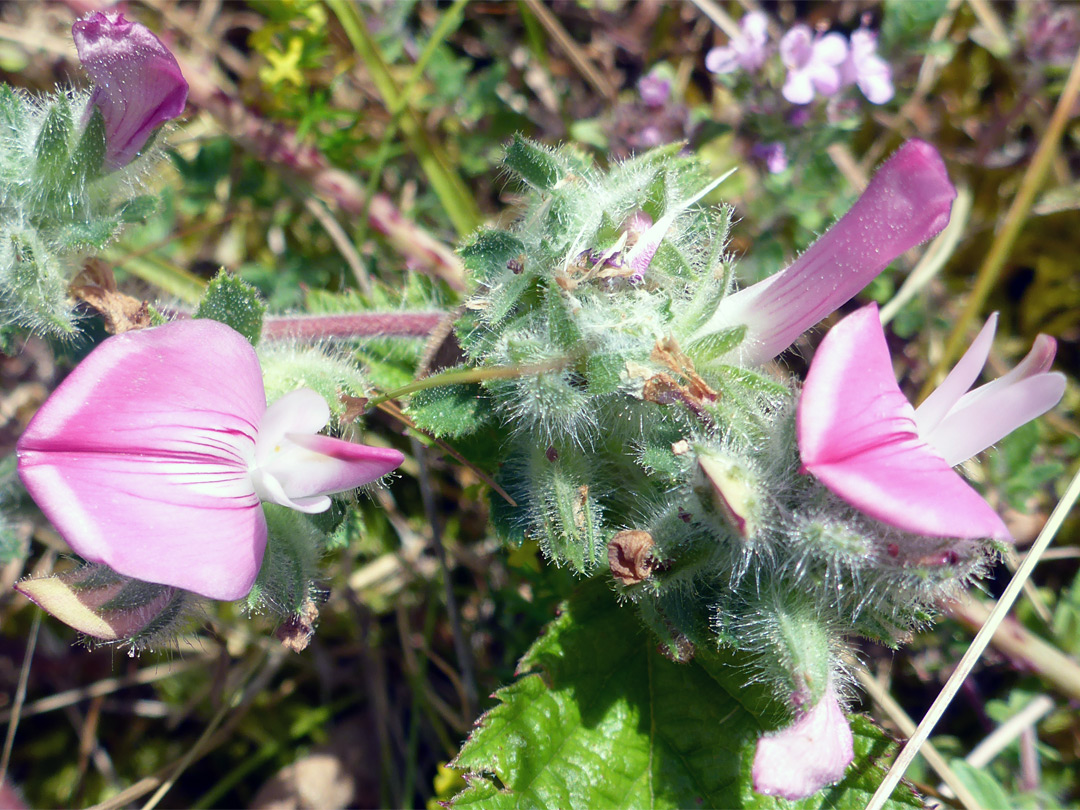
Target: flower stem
[(472, 375), (352, 324)]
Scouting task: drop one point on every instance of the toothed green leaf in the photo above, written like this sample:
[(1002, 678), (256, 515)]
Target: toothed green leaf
[(235, 303)]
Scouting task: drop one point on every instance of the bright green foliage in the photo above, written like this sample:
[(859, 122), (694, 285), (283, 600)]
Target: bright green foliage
[(235, 303), (56, 205), (600, 719), (450, 410)]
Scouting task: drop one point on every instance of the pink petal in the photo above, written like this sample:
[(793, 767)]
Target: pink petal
[(811, 753), (298, 469), (796, 47), (722, 60), (857, 435), (798, 88), (907, 202), (957, 382), (140, 458), (831, 49), (139, 85)]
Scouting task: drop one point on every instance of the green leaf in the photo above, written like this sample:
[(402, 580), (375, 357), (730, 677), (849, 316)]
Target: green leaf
[(984, 787), (89, 154), (234, 303), (52, 148), (487, 253), (449, 410), (537, 166), (137, 209), (599, 719)]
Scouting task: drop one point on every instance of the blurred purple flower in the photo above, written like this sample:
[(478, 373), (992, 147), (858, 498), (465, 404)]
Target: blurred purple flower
[(138, 84), (654, 90), (866, 69), (154, 453), (748, 51), (813, 63), (907, 202), (1052, 34), (773, 154), (861, 438), (813, 752)]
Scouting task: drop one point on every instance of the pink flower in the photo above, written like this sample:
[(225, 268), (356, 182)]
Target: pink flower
[(774, 154), (810, 754), (861, 438), (139, 85), (866, 69), (748, 51), (813, 63), (153, 455), (654, 90), (907, 202)]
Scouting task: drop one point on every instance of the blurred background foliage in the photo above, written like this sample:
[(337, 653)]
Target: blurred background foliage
[(424, 615)]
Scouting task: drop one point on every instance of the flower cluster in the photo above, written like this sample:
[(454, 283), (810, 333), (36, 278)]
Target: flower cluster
[(817, 64)]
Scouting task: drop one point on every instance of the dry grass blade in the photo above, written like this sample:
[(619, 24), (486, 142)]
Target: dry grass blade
[(967, 663), (20, 696), (572, 49)]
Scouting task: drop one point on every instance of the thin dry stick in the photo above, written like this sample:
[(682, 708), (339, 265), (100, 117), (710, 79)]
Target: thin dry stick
[(341, 241), (1006, 236), (1002, 737), (880, 695), (572, 49), (20, 696), (982, 638), (720, 18), (104, 687)]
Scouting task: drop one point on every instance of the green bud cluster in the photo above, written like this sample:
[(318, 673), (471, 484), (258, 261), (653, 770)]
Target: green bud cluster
[(635, 452), (56, 204)]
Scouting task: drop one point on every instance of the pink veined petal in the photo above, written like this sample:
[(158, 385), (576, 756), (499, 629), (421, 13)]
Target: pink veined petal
[(798, 88), (722, 60), (831, 49), (139, 85), (857, 435), (325, 465), (957, 382), (907, 202), (974, 425), (140, 457), (811, 753), (796, 47), (300, 411)]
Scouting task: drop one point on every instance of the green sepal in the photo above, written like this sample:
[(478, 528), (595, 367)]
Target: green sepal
[(706, 350), (594, 693), (12, 112), (52, 150), (487, 253), (536, 165), (289, 564), (604, 371), (449, 411), (89, 154), (235, 303), (137, 209)]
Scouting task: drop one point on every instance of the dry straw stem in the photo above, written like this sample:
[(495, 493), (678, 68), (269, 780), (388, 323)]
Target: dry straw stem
[(573, 51), (896, 713), (1005, 236), (967, 662)]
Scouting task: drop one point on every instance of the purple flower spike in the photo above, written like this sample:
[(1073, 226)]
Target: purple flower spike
[(748, 51), (813, 64), (907, 202), (866, 69), (153, 455), (862, 439), (139, 85), (811, 753)]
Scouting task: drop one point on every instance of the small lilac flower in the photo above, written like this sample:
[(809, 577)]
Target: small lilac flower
[(654, 90), (907, 202), (813, 63), (139, 85), (866, 69), (748, 51), (152, 457), (773, 154), (811, 753), (861, 438)]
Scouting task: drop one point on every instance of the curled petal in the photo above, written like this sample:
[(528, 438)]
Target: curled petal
[(907, 202), (811, 753), (139, 85), (857, 435), (957, 382), (140, 458), (298, 469)]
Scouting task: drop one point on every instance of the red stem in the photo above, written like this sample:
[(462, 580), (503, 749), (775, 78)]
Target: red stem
[(351, 324)]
